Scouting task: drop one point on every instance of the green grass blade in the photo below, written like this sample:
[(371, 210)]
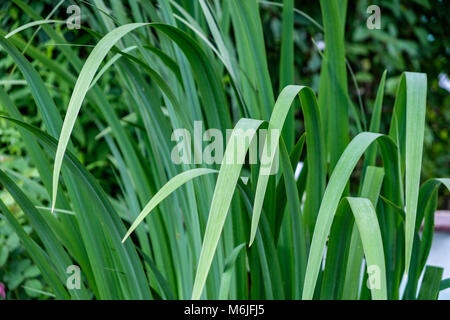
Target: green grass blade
[(314, 143), (375, 120), (416, 91), (79, 92), (338, 245), (266, 254), (248, 28), (335, 85), (162, 282), (287, 66), (428, 199), (334, 191), (425, 211), (225, 281), (171, 186), (281, 187), (429, 289), (44, 102), (209, 84), (366, 220), (445, 284), (407, 128), (109, 64), (223, 193), (298, 231), (373, 180), (366, 224), (32, 24)]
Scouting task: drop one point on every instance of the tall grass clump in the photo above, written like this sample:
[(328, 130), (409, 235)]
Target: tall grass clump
[(348, 227)]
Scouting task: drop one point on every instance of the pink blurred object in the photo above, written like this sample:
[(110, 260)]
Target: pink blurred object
[(2, 291)]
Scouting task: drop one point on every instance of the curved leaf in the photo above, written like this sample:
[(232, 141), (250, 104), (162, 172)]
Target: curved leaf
[(223, 193), (334, 191), (315, 156), (171, 186)]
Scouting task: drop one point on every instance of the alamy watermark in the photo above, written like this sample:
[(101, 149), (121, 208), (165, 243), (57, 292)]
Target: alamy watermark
[(73, 281), (242, 146), (374, 20), (374, 277), (74, 21)]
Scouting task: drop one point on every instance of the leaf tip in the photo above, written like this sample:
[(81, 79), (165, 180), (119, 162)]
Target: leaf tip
[(252, 237)]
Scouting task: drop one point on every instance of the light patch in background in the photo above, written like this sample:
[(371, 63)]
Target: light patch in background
[(440, 257), (444, 81), (298, 170)]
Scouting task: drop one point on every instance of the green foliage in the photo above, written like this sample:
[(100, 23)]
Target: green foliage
[(21, 277), (94, 111)]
